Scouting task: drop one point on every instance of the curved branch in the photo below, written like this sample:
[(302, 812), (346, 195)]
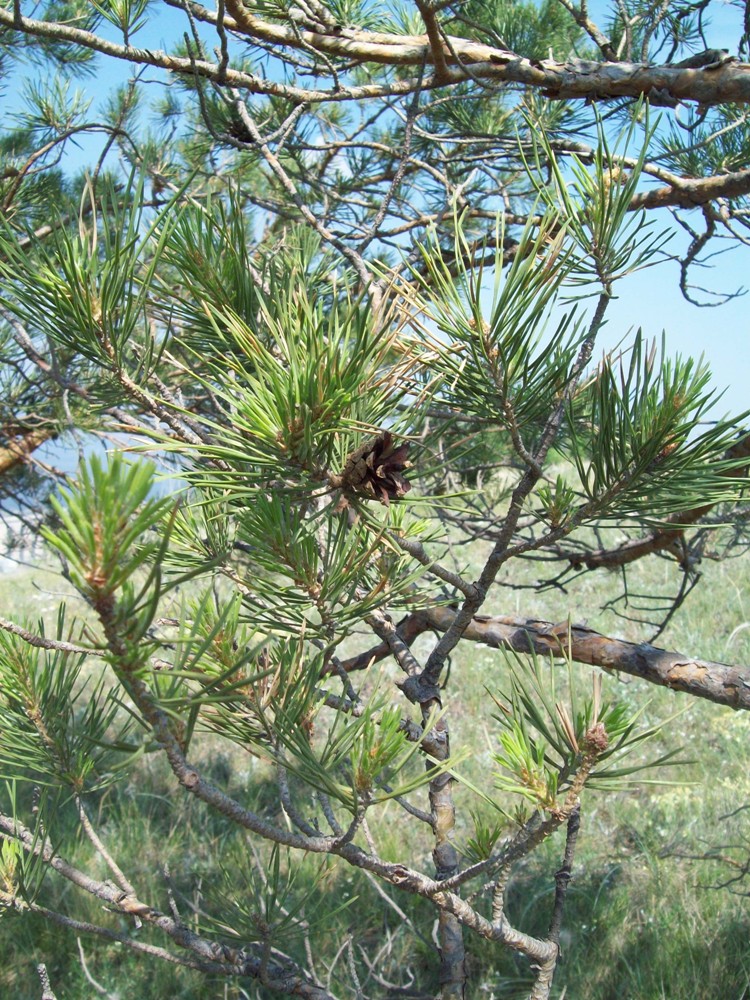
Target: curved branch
[(717, 83), (663, 538), (19, 447), (692, 192), (210, 955), (718, 682)]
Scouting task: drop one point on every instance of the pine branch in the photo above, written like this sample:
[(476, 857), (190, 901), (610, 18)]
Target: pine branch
[(17, 450), (661, 539), (208, 956), (717, 682), (575, 79)]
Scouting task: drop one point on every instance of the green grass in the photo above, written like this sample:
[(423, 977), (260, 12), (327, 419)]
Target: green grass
[(641, 923)]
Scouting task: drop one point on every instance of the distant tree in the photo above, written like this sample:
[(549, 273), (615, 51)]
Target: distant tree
[(340, 268)]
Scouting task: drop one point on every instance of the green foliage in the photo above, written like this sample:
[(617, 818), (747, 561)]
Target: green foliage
[(329, 258), (596, 203), (358, 755), (720, 143), (23, 872), (209, 246), (57, 728), (85, 290), (486, 835), (497, 362), (328, 575), (103, 520), (558, 502), (536, 31), (298, 370), (641, 450), (550, 745), (272, 905), (66, 56), (52, 108), (127, 15)]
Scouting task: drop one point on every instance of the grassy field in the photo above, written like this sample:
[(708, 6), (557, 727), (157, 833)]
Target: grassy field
[(643, 920)]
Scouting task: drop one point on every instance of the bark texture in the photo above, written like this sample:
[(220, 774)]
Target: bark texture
[(717, 682)]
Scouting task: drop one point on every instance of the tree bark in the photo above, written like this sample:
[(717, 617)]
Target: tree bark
[(718, 682), (20, 447), (578, 79)]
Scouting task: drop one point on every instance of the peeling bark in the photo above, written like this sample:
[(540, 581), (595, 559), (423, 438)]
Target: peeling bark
[(726, 82), (718, 682), (721, 683), (445, 858), (692, 192), (20, 447)]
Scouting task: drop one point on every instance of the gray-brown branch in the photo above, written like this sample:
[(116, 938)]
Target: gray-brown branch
[(718, 682), (669, 536), (465, 59)]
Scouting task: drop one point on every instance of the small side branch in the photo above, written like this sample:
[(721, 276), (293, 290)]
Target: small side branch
[(580, 16), (564, 875), (434, 34), (42, 642), (88, 828), (47, 991), (408, 629)]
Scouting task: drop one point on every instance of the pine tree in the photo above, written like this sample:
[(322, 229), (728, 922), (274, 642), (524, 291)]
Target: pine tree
[(336, 272)]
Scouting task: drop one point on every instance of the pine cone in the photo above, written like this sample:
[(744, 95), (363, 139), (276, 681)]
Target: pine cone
[(375, 469)]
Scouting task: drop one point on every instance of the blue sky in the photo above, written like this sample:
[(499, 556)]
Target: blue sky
[(650, 299)]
